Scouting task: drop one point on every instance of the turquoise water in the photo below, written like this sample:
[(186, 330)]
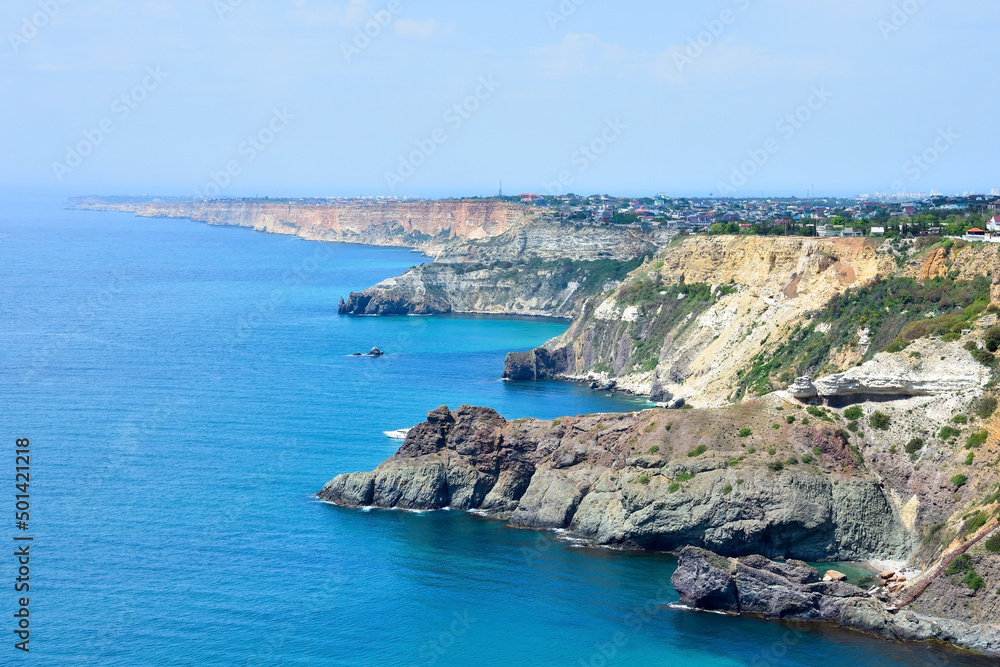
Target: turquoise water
[(187, 389)]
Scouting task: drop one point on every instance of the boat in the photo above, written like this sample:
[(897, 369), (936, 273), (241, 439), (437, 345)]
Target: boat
[(399, 434)]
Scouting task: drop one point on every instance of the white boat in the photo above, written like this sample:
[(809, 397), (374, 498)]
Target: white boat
[(397, 435)]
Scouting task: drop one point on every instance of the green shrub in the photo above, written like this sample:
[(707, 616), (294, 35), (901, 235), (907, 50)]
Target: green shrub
[(914, 446), (970, 458), (698, 451), (959, 419), (977, 440), (815, 412), (792, 461), (752, 450), (947, 433), (805, 420), (808, 458), (960, 565), (772, 451), (983, 357), (854, 412), (674, 487), (644, 479), (898, 345), (684, 477), (727, 490), (853, 427), (973, 580), (880, 421), (776, 466), (959, 480), (993, 543), (790, 419), (775, 426), (991, 339), (654, 449), (975, 522), (818, 451), (985, 407), (745, 433), (668, 426)]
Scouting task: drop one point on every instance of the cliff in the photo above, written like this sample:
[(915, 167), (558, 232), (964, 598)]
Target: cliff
[(540, 268), (432, 226), (716, 319), (912, 480), (652, 480), (793, 592)]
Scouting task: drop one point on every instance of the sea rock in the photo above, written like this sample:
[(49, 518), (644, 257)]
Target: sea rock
[(834, 575), (539, 364), (375, 352), (601, 478), (759, 587)]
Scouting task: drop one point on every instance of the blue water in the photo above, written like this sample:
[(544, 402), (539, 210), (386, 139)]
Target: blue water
[(187, 389)]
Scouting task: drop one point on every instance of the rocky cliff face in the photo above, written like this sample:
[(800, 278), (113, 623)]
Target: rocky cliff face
[(654, 480), (713, 319), (433, 226), (792, 591), (535, 288), (646, 337)]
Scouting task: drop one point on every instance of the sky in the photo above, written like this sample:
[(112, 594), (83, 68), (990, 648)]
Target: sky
[(441, 98)]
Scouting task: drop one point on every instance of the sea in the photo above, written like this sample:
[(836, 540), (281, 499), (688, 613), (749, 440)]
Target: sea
[(186, 390)]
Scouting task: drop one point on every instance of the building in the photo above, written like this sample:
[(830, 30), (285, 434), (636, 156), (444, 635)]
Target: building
[(878, 231), (975, 234), (993, 224)]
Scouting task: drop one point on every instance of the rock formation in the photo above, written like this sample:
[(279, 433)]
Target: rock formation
[(627, 481), (792, 591)]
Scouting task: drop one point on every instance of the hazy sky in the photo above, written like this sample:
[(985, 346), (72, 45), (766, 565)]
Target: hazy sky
[(292, 98)]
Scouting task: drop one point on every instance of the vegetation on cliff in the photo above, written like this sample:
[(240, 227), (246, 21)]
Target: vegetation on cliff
[(894, 312)]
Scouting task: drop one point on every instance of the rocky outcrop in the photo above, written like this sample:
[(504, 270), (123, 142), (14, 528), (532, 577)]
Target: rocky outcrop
[(792, 591), (539, 364), (927, 368), (628, 481), (535, 288)]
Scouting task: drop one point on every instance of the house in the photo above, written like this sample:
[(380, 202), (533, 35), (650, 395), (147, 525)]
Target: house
[(878, 231), (975, 234), (993, 224), (850, 233)]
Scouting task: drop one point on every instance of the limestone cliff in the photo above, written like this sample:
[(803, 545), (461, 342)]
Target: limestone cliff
[(713, 319), (432, 226)]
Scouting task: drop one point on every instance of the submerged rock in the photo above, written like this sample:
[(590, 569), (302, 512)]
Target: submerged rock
[(375, 352)]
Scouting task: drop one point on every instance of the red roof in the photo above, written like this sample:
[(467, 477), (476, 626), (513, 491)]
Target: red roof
[(974, 230)]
